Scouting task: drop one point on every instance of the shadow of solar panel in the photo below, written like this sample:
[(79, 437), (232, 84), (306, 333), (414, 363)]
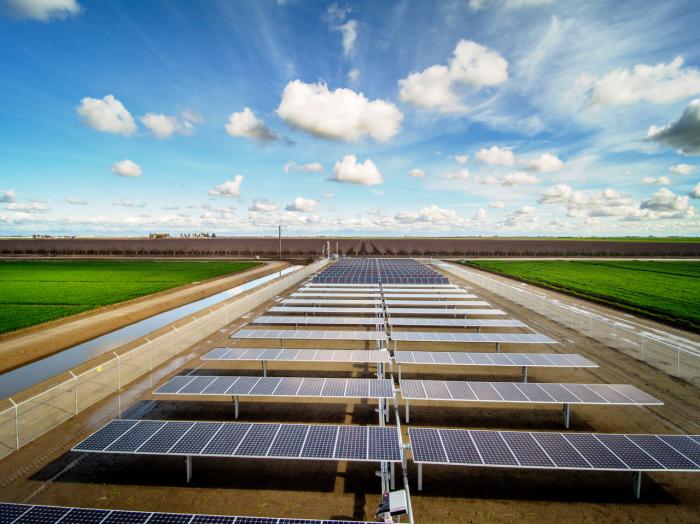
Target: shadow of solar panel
[(257, 440), (459, 447), (383, 444), (196, 438), (661, 452), (526, 450), (42, 514), (594, 451), (289, 441), (351, 444), (226, 440), (492, 448), (126, 517), (136, 436), (560, 451), (166, 437), (320, 442), (106, 435), (426, 445)]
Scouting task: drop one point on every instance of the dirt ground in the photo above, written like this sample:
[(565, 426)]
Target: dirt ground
[(27, 345), (46, 472)]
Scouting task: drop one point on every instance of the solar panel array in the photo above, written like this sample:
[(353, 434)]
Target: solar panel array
[(549, 450), (519, 392), (323, 301), (441, 311), (249, 440), (326, 310), (306, 334), (375, 271), (29, 514), (438, 303), (245, 386), (320, 321), (456, 322), (426, 296), (470, 338), (494, 359), (345, 294), (297, 355)]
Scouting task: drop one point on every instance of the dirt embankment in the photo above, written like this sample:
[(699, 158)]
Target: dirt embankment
[(27, 345)]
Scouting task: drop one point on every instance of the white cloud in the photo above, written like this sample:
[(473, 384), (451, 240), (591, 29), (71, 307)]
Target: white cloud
[(521, 218), (262, 205), (668, 204), (659, 84), (695, 193), (354, 75), (340, 114), (229, 189), (519, 179), (461, 159), (328, 195), (126, 168), (311, 167), (480, 215), (76, 201), (348, 169), (164, 126), (682, 169), (44, 10), (107, 114), (417, 173), (496, 204), (432, 216), (488, 180), (8, 196), (684, 133), (33, 206), (557, 194), (246, 124), (476, 5), (496, 155), (471, 65), (545, 163), (462, 174), (303, 205), (127, 202), (660, 181), (349, 30)]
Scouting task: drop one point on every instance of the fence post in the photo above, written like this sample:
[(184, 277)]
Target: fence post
[(16, 423), (76, 390), (119, 372), (150, 354)]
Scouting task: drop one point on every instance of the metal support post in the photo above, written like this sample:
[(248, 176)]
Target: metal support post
[(235, 402), (524, 373), (392, 467), (14, 404), (75, 380), (188, 463), (407, 419), (478, 329), (399, 367), (420, 477), (567, 416), (637, 484), (264, 368), (498, 347)]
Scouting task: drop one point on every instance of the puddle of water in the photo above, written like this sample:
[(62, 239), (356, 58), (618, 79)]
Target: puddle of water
[(26, 376)]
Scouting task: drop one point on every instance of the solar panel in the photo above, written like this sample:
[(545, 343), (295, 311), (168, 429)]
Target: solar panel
[(549, 450), (426, 296), (260, 440), (326, 301), (435, 303), (348, 295), (297, 355), (456, 322), (470, 338), (514, 392), (320, 321), (452, 312), (321, 310), (286, 387), (301, 334), (25, 513)]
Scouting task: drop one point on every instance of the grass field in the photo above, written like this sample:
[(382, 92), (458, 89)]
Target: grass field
[(668, 291), (35, 292)]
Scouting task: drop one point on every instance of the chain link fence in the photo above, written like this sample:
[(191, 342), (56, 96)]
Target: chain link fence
[(36, 411), (647, 347)]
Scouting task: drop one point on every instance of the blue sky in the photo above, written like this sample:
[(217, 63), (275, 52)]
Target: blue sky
[(511, 117)]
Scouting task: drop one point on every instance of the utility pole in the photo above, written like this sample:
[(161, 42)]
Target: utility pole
[(279, 231)]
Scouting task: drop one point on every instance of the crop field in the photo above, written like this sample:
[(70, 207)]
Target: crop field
[(32, 292), (668, 291)]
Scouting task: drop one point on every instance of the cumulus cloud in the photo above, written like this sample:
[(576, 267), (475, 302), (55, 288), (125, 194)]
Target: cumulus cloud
[(658, 84), (462, 174), (303, 205), (311, 167), (246, 124), (127, 202), (262, 205), (695, 193), (660, 181), (8, 196), (229, 189), (341, 114), (33, 206), (683, 134), (417, 173), (107, 115), (521, 218), (461, 159), (348, 169), (433, 216), (668, 204), (480, 215), (496, 156), (519, 179), (682, 169), (76, 201), (126, 168), (496, 204), (545, 163), (472, 65), (164, 126), (43, 10)]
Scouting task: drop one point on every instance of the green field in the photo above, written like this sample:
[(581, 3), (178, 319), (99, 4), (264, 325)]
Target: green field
[(34, 292), (668, 291)]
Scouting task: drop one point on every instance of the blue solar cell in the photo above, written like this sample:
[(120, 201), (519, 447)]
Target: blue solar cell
[(493, 448), (426, 445), (288, 441), (320, 442), (126, 517), (10, 512), (195, 439), (560, 451), (594, 452), (84, 516), (105, 436), (460, 447), (226, 440), (662, 452), (628, 452), (257, 440), (526, 449), (162, 441), (135, 437), (383, 444), (352, 443)]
